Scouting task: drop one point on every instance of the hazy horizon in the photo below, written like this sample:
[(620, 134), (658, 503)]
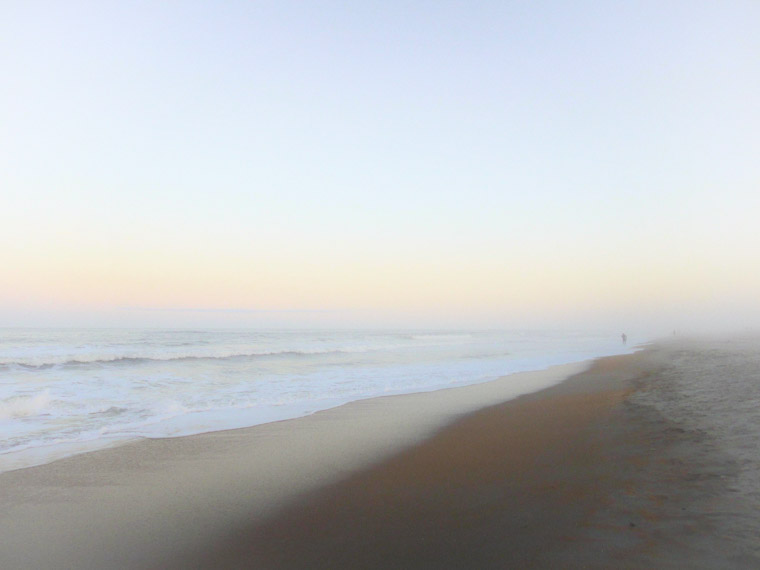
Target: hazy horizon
[(404, 165)]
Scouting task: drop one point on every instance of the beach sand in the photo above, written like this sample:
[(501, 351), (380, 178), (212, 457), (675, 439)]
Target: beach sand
[(590, 473)]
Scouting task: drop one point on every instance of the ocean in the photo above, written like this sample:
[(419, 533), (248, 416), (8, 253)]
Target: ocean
[(67, 391)]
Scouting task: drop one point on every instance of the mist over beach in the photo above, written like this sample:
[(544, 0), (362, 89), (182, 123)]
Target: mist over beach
[(293, 285)]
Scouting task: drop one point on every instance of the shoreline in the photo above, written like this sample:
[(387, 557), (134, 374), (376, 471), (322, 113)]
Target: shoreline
[(108, 505), (50, 453), (493, 489), (596, 471)]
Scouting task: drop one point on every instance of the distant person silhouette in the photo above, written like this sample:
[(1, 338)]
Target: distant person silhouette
[(625, 338)]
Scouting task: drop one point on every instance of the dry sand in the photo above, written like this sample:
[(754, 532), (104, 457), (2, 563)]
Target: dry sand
[(586, 474)]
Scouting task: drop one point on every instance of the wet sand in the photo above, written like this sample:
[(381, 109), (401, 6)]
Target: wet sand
[(590, 473), (577, 476)]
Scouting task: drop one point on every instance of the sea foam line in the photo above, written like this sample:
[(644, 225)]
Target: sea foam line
[(36, 364)]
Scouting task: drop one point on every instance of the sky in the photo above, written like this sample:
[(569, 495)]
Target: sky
[(394, 164)]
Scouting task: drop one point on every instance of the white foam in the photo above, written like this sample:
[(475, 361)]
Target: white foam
[(82, 405), (24, 406)]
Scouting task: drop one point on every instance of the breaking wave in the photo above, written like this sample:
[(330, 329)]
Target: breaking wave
[(44, 363), (24, 406)]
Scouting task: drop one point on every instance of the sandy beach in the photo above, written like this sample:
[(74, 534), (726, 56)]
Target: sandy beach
[(393, 285), (597, 471)]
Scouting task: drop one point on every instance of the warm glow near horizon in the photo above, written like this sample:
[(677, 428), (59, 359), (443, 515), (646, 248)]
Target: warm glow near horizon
[(288, 164)]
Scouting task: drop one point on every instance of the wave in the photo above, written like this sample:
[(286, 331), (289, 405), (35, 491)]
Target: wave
[(39, 364), (24, 406)]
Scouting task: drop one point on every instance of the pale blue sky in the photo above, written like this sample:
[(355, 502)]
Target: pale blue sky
[(466, 163)]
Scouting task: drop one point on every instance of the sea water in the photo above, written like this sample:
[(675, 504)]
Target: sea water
[(74, 390)]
